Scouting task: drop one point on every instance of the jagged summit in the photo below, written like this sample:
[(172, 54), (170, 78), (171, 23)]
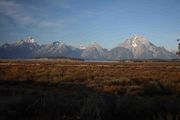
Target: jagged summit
[(94, 45), (59, 43), (28, 40), (82, 47), (139, 38), (93, 51), (135, 41), (20, 42), (5, 45)]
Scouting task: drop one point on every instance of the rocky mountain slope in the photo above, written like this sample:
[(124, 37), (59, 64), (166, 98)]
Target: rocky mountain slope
[(135, 47), (142, 48)]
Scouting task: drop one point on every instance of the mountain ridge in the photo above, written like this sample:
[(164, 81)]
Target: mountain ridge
[(134, 47)]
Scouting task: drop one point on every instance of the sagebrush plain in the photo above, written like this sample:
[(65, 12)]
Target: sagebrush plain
[(78, 90)]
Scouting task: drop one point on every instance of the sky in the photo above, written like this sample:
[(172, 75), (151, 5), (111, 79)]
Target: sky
[(75, 22)]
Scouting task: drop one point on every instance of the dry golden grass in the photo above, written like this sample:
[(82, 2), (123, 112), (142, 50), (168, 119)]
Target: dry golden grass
[(67, 90), (113, 77)]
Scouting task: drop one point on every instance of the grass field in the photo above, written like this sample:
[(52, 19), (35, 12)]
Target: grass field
[(75, 90)]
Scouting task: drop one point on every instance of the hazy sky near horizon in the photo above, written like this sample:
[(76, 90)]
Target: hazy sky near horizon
[(75, 22)]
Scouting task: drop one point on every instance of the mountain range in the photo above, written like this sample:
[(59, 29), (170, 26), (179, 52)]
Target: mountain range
[(135, 47)]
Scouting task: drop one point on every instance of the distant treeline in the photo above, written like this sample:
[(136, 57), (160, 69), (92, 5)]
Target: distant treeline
[(149, 60), (61, 58)]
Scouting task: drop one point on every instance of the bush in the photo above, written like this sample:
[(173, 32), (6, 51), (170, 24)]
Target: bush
[(154, 89)]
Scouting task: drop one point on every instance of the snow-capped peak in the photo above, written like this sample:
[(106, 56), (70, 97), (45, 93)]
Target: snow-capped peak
[(137, 40), (58, 43), (82, 47), (30, 40)]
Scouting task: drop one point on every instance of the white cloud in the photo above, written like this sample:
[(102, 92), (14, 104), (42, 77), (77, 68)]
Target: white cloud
[(21, 16), (16, 12)]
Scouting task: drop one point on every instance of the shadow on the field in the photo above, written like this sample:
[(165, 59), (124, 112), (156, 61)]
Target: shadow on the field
[(29, 100)]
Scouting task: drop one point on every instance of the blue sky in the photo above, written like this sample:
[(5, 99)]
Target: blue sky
[(107, 22)]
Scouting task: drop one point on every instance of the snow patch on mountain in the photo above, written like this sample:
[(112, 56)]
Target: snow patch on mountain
[(82, 47), (30, 40), (134, 44)]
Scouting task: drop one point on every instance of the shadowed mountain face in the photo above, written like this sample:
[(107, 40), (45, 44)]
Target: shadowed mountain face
[(119, 53), (57, 49), (94, 51), (136, 47), (20, 49)]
